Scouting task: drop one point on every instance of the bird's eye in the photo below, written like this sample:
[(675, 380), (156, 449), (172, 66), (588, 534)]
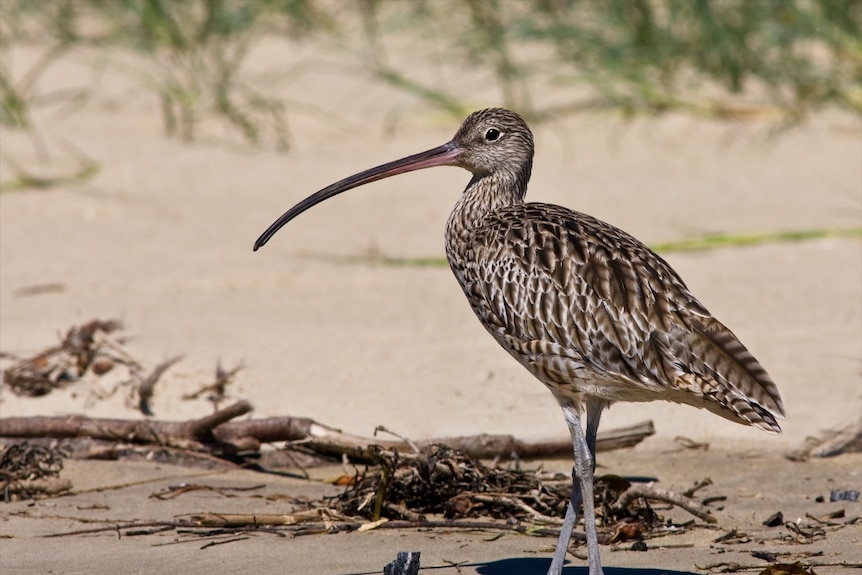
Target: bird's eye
[(492, 134)]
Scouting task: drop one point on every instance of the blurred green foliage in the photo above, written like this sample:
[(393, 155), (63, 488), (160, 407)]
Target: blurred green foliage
[(194, 52), (729, 58), (726, 58)]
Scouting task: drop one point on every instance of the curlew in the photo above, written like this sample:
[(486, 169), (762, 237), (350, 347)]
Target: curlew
[(589, 310)]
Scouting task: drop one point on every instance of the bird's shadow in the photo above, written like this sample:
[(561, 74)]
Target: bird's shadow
[(539, 566)]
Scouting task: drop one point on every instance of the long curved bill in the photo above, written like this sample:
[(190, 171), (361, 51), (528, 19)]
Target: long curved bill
[(445, 155)]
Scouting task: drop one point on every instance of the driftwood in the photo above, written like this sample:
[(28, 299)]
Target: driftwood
[(655, 493), (92, 350), (216, 430), (170, 433), (320, 438), (836, 442)]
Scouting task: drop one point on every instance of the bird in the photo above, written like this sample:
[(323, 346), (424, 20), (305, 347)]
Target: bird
[(589, 310)]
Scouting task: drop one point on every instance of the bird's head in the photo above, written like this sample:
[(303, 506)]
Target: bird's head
[(495, 140), (490, 142)]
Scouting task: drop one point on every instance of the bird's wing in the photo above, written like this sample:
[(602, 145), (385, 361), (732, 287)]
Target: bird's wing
[(573, 293)]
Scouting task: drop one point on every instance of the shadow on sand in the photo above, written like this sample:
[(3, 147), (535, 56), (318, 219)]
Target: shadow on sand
[(537, 566)]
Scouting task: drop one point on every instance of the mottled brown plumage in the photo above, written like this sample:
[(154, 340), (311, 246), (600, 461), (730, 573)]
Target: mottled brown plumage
[(589, 310), (584, 306)]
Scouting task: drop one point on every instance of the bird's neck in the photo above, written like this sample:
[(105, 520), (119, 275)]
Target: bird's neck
[(483, 196)]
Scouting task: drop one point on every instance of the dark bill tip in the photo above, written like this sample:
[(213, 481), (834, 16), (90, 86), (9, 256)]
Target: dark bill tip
[(445, 155)]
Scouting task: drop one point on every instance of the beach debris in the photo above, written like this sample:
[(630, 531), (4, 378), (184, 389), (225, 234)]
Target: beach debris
[(827, 518), (442, 481), (147, 385), (89, 348), (732, 537), (195, 434), (788, 569), (804, 533), (173, 491), (767, 556), (698, 485), (687, 443), (29, 471), (406, 563), (843, 495), (481, 446), (774, 520), (216, 392), (636, 491), (847, 439), (317, 443), (67, 362), (797, 567)]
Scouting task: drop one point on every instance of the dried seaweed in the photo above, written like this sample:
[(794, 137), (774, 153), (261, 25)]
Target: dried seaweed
[(24, 469), (441, 480), (67, 362)]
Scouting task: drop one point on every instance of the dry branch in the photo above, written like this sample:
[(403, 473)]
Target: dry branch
[(302, 431), (172, 433), (649, 492), (506, 446), (326, 440)]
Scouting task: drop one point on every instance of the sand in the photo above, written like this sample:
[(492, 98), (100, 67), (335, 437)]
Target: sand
[(161, 238)]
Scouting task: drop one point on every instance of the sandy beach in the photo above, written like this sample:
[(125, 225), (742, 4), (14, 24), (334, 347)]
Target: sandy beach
[(161, 239)]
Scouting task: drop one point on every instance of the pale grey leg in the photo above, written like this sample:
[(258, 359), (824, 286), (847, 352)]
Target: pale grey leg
[(582, 488), (566, 530)]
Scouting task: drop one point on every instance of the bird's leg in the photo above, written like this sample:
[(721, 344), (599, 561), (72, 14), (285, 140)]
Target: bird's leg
[(595, 407), (587, 459), (582, 488), (567, 528)]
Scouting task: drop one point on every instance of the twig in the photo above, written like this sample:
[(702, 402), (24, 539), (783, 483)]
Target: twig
[(383, 429), (223, 541), (115, 527), (200, 428), (147, 385), (649, 492), (217, 388), (697, 487), (177, 490), (241, 521), (516, 503)]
